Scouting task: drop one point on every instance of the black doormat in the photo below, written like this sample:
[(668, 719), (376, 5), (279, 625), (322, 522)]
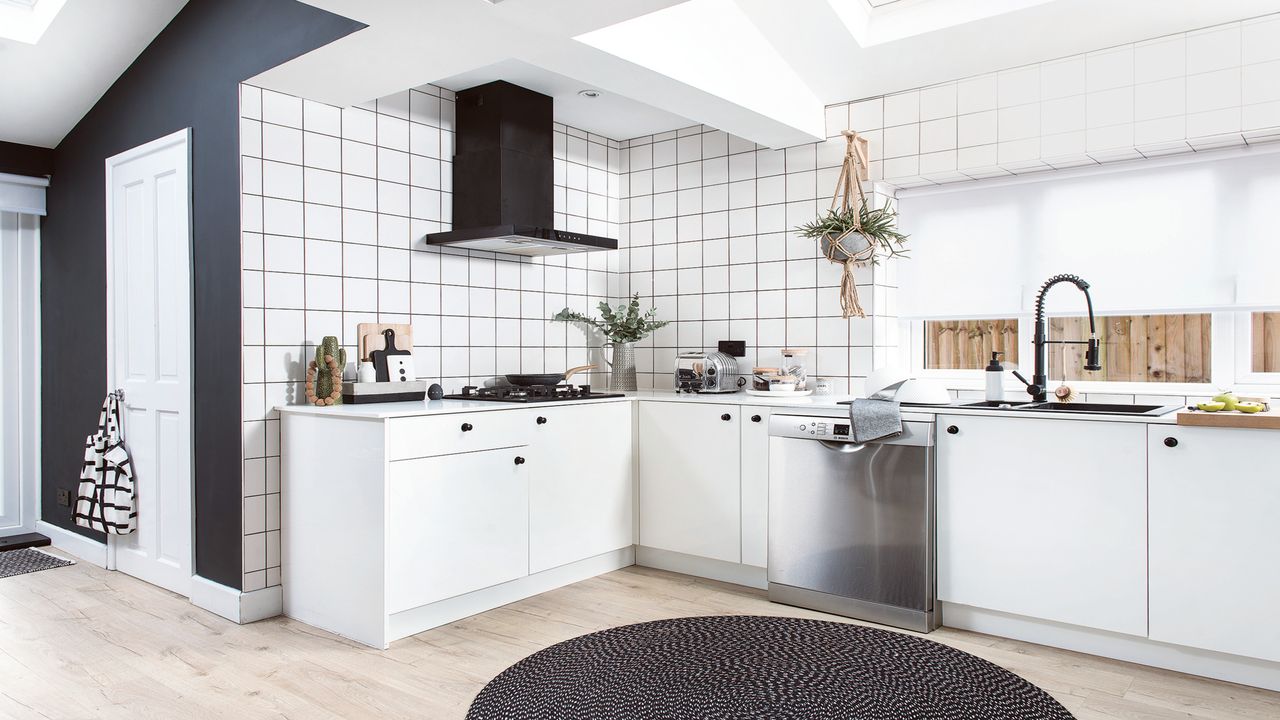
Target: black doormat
[(702, 668), (28, 560)]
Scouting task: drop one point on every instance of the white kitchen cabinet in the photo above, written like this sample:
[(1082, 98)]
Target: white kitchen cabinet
[(456, 523), (1214, 548), (1045, 519), (755, 485), (580, 494), (690, 481)]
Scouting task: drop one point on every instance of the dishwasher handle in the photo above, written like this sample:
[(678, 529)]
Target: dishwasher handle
[(846, 447)]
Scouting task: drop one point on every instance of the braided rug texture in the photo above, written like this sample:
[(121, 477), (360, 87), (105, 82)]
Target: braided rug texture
[(704, 668)]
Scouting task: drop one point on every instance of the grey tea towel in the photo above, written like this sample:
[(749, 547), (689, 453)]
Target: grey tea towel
[(875, 419)]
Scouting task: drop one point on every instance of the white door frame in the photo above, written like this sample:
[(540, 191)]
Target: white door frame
[(182, 137)]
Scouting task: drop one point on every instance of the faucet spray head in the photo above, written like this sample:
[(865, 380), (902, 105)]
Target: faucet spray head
[(1091, 356)]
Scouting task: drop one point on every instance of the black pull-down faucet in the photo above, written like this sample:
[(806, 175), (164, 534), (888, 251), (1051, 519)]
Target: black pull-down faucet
[(1039, 380)]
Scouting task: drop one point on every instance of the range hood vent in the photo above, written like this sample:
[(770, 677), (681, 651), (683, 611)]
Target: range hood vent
[(503, 176)]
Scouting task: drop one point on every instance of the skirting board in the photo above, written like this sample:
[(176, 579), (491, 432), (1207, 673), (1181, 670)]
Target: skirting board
[(748, 575), (234, 605), (86, 549), (411, 622), (1220, 666)]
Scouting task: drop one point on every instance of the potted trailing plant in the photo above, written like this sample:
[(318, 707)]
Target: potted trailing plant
[(623, 327), (856, 234)]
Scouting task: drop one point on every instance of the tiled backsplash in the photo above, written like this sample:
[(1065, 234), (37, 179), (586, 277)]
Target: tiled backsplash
[(1215, 87), (709, 234), (335, 206)]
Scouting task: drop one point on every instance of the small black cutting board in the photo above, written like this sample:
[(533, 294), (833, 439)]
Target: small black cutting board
[(379, 357)]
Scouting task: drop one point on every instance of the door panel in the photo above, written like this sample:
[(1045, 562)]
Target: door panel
[(1214, 504), (149, 354), (456, 524), (689, 479), (580, 498)]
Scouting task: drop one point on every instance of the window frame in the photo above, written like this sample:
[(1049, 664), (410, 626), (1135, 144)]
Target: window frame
[(1245, 375)]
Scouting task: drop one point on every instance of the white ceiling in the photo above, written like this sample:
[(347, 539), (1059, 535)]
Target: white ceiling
[(47, 87), (760, 69)]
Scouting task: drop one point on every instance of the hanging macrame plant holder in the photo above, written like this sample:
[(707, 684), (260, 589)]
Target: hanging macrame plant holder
[(851, 248)]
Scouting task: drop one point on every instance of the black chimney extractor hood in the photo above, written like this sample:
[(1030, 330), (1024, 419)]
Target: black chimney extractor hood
[(503, 176)]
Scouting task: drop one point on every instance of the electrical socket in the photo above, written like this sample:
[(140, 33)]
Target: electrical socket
[(64, 497)]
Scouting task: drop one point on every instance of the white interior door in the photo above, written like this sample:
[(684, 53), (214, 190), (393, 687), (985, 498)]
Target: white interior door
[(149, 351), (19, 333)]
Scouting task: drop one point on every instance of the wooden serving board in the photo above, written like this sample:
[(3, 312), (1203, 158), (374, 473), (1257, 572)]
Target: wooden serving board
[(369, 337), (1269, 420)]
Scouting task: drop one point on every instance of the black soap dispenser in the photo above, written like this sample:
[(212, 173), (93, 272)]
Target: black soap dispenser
[(995, 378)]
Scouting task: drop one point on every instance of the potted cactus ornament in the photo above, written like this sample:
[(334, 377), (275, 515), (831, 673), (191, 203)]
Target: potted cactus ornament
[(324, 374)]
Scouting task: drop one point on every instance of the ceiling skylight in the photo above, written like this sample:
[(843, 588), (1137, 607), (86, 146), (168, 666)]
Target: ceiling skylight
[(872, 22), (713, 46), (26, 20)]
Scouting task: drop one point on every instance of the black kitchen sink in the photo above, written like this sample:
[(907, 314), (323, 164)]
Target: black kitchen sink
[(1080, 407)]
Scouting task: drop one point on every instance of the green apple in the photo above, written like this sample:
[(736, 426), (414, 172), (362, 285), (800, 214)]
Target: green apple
[(1228, 400), (1211, 406), (1249, 407)]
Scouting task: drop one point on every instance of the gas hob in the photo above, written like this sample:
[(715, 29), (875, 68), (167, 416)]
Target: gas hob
[(531, 393)]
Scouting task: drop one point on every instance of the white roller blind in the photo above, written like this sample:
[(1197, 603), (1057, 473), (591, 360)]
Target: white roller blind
[(22, 194), (1187, 236)]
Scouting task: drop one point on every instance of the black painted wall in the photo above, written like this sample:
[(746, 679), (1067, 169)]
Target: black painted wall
[(20, 159), (188, 77)]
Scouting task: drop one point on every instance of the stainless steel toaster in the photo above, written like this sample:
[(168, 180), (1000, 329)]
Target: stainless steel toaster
[(707, 372)]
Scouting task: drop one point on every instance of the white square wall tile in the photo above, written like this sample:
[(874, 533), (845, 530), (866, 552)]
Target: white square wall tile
[(1260, 83), (902, 108), (976, 129), (1062, 115), (281, 109), (1213, 90), (1162, 99), (902, 140), (1213, 49), (1062, 78), (938, 101), (837, 119), (976, 94), (866, 115), (1018, 123), (1161, 59), (1260, 40), (1107, 69), (937, 135), (1018, 86), (1109, 107)]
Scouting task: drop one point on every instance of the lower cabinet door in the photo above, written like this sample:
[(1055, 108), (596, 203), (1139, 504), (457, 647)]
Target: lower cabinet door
[(580, 495), (1215, 551), (456, 524), (1044, 518), (689, 479)]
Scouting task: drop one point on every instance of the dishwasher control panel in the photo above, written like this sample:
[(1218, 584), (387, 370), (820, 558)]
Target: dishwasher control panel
[(838, 428)]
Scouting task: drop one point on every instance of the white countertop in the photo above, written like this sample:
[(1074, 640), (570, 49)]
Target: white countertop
[(822, 404)]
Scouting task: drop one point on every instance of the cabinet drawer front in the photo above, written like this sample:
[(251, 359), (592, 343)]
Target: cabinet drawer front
[(456, 524), (418, 437)]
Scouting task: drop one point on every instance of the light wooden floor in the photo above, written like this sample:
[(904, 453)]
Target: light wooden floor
[(80, 642)]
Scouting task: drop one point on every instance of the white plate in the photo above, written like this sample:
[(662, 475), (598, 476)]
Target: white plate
[(779, 393)]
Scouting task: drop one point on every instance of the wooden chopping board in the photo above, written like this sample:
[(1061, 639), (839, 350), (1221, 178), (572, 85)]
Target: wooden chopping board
[(369, 337), (1269, 420)]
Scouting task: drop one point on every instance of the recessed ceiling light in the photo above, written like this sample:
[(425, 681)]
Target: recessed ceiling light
[(589, 93), (26, 20)]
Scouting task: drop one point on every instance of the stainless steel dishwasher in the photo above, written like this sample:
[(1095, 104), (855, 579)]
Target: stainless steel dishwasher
[(851, 526)]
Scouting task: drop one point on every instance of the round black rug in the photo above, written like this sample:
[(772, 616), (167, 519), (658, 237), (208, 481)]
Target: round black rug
[(703, 668)]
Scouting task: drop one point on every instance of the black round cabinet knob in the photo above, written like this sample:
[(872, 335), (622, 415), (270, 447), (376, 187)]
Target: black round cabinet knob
[(466, 427), (542, 420), (1171, 442), (953, 430), (726, 417), (519, 460), (756, 418)]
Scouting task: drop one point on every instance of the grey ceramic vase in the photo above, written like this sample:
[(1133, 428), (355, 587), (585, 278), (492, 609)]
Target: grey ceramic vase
[(622, 369)]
